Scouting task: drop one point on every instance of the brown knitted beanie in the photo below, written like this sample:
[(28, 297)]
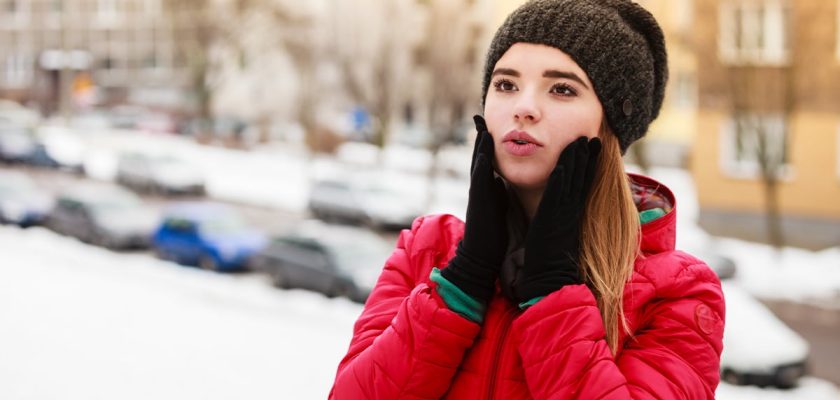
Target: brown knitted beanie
[(616, 42)]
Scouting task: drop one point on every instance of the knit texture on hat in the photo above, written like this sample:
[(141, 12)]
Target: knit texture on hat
[(616, 42)]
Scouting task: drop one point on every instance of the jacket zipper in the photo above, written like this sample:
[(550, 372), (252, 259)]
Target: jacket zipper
[(498, 352)]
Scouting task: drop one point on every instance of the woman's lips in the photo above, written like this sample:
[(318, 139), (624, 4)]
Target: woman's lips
[(520, 143)]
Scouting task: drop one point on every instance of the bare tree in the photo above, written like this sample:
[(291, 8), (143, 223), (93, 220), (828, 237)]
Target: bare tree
[(450, 56), (285, 27), (758, 135), (765, 95), (197, 29), (375, 81)]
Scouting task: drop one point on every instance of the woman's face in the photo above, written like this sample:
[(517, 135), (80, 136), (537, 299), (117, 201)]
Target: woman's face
[(539, 101)]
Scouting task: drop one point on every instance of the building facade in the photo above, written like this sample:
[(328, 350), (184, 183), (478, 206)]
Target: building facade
[(769, 91), (49, 48)]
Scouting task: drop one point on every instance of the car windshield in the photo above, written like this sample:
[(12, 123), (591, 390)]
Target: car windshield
[(118, 205), (222, 224), (358, 253)]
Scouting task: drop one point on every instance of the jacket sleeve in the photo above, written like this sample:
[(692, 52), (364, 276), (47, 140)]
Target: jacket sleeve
[(406, 344), (674, 353)]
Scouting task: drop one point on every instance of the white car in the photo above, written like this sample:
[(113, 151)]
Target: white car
[(366, 200), (159, 174), (758, 348)]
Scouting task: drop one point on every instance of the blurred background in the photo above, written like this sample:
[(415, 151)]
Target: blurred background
[(197, 195)]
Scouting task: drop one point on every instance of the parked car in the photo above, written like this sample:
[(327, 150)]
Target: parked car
[(364, 200), (159, 174), (758, 348), (106, 216), (333, 260), (13, 113), (21, 202), (125, 116), (17, 143), (208, 235), (57, 147)]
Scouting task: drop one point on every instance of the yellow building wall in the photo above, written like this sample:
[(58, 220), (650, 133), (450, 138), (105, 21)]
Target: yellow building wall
[(811, 190)]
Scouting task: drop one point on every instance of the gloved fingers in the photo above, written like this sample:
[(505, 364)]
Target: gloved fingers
[(479, 135), (482, 174), (480, 124), (592, 164), (552, 195), (576, 186), (568, 160), (501, 196), (487, 146)]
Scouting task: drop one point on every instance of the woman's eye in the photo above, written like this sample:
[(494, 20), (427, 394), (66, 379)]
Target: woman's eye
[(563, 89), (504, 85)]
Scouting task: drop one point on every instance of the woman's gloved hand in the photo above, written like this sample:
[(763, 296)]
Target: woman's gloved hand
[(552, 244), (480, 253)]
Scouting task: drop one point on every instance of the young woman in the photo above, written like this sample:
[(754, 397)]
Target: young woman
[(563, 283)]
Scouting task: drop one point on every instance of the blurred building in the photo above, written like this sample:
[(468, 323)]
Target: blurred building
[(122, 48), (671, 135), (769, 94)]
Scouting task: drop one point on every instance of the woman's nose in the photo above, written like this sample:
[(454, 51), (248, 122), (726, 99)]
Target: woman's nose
[(526, 109)]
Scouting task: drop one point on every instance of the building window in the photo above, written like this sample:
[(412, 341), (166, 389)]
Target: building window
[(754, 32), (151, 7), (749, 138), (107, 12), (18, 71), (684, 91), (15, 10)]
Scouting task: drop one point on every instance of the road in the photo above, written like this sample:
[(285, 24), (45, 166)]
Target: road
[(268, 220), (821, 328)]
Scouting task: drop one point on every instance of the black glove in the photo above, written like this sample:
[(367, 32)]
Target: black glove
[(552, 244), (480, 253)]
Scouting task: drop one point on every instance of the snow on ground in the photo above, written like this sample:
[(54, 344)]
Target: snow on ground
[(809, 388), (79, 322)]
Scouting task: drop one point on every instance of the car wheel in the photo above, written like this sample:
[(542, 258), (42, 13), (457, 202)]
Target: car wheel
[(731, 377), (341, 290), (162, 254), (278, 279), (318, 214), (206, 262), (102, 240)]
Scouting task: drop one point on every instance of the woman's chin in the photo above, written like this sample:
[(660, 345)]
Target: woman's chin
[(524, 181)]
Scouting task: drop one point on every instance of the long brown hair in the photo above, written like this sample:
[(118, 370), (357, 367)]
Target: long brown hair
[(610, 237)]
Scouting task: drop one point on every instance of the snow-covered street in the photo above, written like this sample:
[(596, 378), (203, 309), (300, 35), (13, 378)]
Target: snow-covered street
[(80, 322)]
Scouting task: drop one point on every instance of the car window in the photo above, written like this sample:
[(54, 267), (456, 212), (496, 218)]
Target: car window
[(359, 253), (68, 204), (179, 225), (222, 225)]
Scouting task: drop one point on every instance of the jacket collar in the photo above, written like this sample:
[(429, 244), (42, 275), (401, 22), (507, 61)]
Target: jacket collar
[(659, 235)]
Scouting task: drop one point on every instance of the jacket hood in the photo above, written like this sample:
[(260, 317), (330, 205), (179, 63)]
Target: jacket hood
[(659, 235)]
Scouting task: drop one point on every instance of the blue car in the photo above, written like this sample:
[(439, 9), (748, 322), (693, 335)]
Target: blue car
[(207, 235)]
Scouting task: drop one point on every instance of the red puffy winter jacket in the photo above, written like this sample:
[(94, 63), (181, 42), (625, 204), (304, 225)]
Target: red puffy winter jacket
[(408, 345)]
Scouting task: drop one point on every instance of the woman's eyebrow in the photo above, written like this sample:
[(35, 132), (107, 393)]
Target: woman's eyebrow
[(506, 71), (552, 73)]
